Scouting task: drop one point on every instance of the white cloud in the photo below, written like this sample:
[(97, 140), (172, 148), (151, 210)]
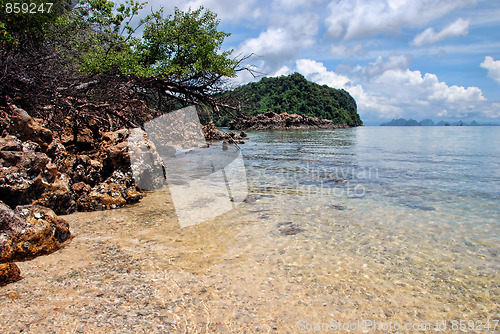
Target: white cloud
[(355, 19), (410, 86), (368, 103), (345, 51), (379, 66), (290, 5), (390, 90), (493, 67), (227, 10), (283, 42), (458, 28), (285, 70)]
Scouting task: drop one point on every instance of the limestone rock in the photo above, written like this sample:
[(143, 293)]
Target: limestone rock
[(284, 121), (28, 176), (146, 160), (131, 151), (116, 191), (212, 133), (27, 128), (30, 231), (9, 273)]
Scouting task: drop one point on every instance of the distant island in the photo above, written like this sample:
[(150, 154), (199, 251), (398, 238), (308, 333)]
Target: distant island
[(430, 122), (295, 95)]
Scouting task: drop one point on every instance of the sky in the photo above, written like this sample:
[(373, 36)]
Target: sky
[(419, 59)]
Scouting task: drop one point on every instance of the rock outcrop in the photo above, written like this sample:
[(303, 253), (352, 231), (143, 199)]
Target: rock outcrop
[(273, 121), (26, 232), (9, 273), (212, 133), (36, 168)]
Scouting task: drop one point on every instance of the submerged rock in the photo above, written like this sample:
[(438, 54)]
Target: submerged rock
[(418, 206), (289, 228)]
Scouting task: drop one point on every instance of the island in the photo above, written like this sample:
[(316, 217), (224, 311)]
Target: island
[(291, 102), (430, 122)]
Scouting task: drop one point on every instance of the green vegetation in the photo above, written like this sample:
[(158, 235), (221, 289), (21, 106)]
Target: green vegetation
[(295, 94), (93, 52)]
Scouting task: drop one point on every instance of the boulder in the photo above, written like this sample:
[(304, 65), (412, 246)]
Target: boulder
[(212, 133), (146, 160), (30, 231), (116, 191), (24, 127), (113, 151), (9, 273), (28, 176)]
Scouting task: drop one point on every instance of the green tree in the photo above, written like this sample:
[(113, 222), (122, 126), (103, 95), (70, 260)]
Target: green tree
[(177, 58), (294, 94)]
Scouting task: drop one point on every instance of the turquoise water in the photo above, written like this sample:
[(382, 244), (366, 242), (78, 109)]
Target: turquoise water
[(438, 185)]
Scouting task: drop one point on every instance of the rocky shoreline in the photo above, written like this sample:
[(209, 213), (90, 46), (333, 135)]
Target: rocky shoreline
[(44, 174), (284, 121)]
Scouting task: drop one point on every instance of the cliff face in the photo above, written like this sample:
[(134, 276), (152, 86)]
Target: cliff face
[(294, 94)]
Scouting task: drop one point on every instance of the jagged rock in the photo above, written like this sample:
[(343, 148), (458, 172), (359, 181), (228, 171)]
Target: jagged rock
[(284, 121), (10, 143), (24, 127), (22, 169), (30, 231), (28, 176), (146, 162), (81, 188), (9, 273), (113, 151), (36, 168), (212, 133), (82, 168), (58, 195), (116, 191)]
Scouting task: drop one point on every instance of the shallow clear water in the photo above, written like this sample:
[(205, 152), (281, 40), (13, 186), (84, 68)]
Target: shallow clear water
[(385, 224), (445, 177), (415, 208)]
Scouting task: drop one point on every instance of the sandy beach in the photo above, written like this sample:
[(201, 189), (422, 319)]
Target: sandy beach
[(134, 270)]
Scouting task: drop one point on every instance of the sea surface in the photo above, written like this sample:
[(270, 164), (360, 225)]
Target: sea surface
[(445, 178), (363, 230), (410, 207)]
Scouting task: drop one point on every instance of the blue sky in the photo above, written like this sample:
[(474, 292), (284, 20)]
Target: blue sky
[(418, 59)]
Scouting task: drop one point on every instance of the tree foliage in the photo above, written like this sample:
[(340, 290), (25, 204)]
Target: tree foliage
[(295, 94), (93, 52)]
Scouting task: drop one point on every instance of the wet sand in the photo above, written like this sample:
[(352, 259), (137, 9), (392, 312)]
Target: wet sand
[(134, 270)]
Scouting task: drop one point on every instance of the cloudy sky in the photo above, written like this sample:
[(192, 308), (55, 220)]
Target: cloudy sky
[(418, 59)]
